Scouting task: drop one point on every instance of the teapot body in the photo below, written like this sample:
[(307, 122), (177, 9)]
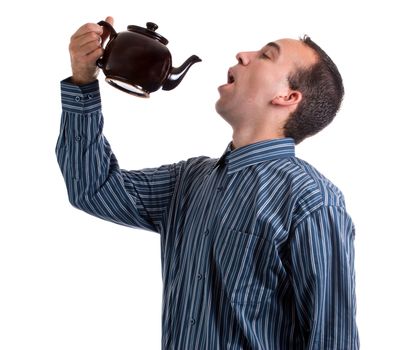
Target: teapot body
[(138, 61), (131, 58)]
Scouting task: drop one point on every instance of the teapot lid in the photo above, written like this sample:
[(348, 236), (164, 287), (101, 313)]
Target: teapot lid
[(148, 31)]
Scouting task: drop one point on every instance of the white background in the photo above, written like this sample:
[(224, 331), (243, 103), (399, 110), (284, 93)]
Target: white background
[(70, 281)]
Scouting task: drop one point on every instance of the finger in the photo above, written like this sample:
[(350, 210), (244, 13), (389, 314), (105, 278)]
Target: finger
[(88, 60), (81, 41), (87, 49), (105, 34), (106, 31), (90, 47), (87, 28), (110, 20), (94, 55)]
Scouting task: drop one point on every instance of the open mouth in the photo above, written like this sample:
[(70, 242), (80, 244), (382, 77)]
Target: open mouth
[(231, 78)]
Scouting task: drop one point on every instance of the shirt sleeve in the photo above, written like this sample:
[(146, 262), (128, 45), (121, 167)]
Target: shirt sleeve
[(94, 181), (322, 259)]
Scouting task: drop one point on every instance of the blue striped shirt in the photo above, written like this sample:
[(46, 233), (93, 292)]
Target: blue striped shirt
[(256, 247)]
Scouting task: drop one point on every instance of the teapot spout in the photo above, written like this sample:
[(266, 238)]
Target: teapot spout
[(177, 74)]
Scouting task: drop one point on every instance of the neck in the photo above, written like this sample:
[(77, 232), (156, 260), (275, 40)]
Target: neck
[(243, 137)]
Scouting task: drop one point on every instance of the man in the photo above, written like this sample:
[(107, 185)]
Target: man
[(257, 246)]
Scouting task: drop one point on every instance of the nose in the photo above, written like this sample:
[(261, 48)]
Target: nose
[(243, 58)]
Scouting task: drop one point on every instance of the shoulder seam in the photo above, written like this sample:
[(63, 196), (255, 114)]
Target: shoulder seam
[(320, 207)]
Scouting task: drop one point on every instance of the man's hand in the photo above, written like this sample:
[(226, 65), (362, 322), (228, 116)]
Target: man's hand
[(85, 48)]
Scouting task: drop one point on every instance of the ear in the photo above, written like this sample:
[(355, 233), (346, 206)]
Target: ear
[(292, 98)]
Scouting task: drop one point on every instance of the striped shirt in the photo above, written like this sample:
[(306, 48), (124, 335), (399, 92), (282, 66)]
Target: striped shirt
[(256, 247)]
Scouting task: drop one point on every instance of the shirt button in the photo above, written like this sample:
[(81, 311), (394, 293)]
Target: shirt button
[(77, 98), (78, 138), (89, 96), (199, 276), (206, 232), (192, 321), (220, 189)]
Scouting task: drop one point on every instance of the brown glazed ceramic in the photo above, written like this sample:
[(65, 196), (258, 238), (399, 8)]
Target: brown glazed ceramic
[(138, 62)]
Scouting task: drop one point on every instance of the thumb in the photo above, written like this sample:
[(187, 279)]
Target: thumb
[(106, 30), (109, 19)]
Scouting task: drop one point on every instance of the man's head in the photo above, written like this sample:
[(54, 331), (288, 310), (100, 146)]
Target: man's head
[(288, 88)]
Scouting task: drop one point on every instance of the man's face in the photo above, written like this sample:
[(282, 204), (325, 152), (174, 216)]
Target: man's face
[(259, 77)]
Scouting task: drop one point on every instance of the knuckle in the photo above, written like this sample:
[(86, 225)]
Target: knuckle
[(93, 36), (87, 26), (74, 56), (94, 55), (91, 47), (73, 50)]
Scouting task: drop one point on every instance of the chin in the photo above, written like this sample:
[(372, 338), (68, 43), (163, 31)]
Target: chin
[(223, 113), (218, 105), (220, 108)]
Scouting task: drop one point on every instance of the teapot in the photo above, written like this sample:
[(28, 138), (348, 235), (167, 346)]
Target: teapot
[(138, 62)]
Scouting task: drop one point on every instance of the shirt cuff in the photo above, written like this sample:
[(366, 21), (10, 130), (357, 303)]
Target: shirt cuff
[(80, 98)]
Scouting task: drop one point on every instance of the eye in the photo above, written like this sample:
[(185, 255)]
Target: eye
[(265, 56)]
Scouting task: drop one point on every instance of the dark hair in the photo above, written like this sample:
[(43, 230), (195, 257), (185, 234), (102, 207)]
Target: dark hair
[(322, 89)]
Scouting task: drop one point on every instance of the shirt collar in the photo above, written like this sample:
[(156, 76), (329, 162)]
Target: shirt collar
[(256, 153)]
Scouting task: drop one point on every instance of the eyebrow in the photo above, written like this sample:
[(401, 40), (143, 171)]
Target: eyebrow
[(275, 45)]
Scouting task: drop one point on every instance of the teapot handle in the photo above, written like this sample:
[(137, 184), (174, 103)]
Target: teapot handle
[(113, 33)]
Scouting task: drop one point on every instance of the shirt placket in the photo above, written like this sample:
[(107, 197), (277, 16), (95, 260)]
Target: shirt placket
[(215, 192)]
